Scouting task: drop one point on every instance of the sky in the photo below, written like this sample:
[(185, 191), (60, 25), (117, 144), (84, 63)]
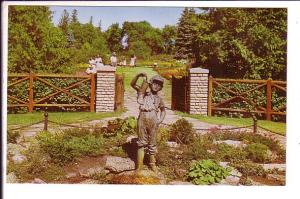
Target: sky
[(157, 16)]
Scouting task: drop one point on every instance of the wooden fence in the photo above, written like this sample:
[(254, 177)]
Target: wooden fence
[(266, 86), (30, 102)]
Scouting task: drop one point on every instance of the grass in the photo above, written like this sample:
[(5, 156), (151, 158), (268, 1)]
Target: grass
[(276, 127), (131, 72), (63, 117)]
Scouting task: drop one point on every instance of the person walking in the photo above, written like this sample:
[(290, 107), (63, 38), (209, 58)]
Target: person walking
[(113, 60)]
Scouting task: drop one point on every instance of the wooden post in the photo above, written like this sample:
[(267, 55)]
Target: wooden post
[(45, 121), (269, 99), (254, 124), (30, 104), (93, 90), (210, 91)]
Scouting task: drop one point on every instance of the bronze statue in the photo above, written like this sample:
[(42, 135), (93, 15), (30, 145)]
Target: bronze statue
[(148, 120)]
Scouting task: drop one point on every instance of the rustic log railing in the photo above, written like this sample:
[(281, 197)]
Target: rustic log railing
[(269, 86), (30, 102)]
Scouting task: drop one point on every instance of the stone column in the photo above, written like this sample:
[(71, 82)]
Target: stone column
[(105, 89), (198, 91)]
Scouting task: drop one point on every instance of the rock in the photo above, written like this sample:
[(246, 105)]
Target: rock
[(18, 158), (12, 178), (180, 183), (118, 164), (71, 175), (230, 180), (233, 143), (89, 181), (38, 181), (279, 167), (224, 164), (91, 171), (172, 144), (14, 150)]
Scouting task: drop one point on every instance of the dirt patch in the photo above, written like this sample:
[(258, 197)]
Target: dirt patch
[(266, 181), (85, 163)]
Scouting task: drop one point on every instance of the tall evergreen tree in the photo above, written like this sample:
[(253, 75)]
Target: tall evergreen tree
[(185, 34), (74, 17), (64, 22)]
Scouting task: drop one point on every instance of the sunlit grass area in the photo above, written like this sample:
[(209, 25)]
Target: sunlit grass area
[(276, 127), (62, 117)]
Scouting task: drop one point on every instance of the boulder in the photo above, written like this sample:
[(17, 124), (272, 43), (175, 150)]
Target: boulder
[(117, 164), (14, 150), (172, 144), (279, 167), (233, 143), (230, 180), (12, 178), (38, 181)]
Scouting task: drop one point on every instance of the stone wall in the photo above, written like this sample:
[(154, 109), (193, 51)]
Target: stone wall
[(198, 91), (105, 89)]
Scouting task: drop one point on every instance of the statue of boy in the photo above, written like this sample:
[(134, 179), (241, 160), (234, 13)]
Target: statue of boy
[(148, 120)]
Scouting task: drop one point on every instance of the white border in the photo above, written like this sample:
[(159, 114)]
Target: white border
[(14, 191)]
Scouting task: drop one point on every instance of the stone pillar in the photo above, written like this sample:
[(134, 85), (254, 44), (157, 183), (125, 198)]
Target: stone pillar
[(198, 91), (105, 89)]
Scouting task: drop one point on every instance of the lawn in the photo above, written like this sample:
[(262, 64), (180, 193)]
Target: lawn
[(131, 72), (62, 117), (276, 127)]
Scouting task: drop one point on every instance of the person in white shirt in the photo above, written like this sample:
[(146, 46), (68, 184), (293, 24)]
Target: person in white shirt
[(113, 59), (91, 69), (98, 62)]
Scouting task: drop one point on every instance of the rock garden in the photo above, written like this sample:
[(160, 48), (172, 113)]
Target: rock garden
[(106, 154)]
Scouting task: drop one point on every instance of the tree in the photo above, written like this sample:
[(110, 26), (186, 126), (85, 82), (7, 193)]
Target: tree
[(64, 22), (74, 17), (34, 44), (242, 43), (114, 36), (185, 34), (169, 37)]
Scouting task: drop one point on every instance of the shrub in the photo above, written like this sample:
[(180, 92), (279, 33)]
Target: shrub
[(182, 131), (163, 135), (198, 148), (64, 148), (207, 172), (226, 152), (257, 152), (12, 136), (248, 168)]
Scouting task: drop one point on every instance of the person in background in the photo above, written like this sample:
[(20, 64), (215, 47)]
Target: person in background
[(99, 63), (91, 69), (132, 60), (92, 62), (113, 60)]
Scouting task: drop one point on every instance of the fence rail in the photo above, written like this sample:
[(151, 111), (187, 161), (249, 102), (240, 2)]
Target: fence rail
[(32, 102), (269, 86)]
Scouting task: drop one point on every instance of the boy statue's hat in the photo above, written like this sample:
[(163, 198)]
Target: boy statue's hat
[(156, 78)]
